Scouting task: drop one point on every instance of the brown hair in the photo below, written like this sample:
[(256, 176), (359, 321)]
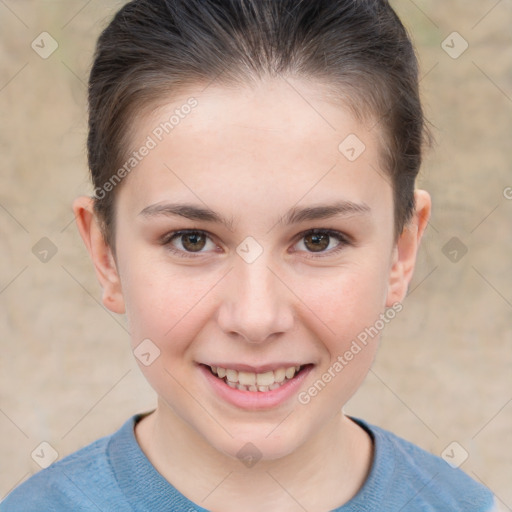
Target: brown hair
[(154, 48)]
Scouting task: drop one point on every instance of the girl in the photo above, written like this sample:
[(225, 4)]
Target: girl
[(255, 216)]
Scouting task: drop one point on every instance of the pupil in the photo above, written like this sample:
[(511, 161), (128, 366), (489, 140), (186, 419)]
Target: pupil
[(320, 242), (193, 241)]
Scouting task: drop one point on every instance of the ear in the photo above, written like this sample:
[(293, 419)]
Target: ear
[(406, 249), (100, 252)]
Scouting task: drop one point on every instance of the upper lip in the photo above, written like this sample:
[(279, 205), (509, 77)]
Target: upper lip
[(255, 369)]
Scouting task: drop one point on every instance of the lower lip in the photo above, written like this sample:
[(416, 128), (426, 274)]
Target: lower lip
[(255, 399)]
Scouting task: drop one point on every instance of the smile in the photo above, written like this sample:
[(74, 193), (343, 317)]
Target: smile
[(255, 382), (255, 387)]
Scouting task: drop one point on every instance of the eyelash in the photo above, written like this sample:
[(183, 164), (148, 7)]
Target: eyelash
[(340, 237)]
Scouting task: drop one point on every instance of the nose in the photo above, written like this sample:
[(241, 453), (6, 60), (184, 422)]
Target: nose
[(256, 302)]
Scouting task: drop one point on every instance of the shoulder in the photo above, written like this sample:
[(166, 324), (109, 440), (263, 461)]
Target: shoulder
[(83, 480), (418, 480)]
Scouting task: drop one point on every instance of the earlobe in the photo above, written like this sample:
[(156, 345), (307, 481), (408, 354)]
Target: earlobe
[(100, 253), (406, 249)]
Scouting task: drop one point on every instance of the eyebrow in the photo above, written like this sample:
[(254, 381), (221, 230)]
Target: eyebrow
[(293, 216)]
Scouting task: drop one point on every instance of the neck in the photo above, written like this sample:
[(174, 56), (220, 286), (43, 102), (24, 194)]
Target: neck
[(321, 474)]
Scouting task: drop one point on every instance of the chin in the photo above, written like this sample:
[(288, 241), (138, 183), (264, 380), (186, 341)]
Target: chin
[(252, 444)]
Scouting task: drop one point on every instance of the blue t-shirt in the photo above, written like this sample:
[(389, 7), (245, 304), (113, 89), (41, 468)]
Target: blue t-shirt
[(113, 474)]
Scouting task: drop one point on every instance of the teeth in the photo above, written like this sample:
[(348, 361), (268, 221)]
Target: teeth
[(280, 375), (249, 381), (290, 372), (265, 379), (232, 375)]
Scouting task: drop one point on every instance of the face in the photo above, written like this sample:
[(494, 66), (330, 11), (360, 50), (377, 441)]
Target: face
[(247, 240)]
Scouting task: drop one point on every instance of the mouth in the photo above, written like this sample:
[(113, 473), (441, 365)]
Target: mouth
[(258, 382)]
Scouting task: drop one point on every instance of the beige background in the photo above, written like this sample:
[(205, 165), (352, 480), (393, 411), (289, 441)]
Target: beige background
[(444, 372)]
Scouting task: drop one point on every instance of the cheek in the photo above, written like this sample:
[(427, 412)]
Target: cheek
[(163, 303), (169, 310), (349, 308), (349, 299)]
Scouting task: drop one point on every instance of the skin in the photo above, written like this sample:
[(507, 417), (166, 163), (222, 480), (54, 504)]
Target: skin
[(251, 154)]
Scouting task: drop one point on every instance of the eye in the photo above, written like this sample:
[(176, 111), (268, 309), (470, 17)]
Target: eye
[(191, 241), (321, 241), (315, 241)]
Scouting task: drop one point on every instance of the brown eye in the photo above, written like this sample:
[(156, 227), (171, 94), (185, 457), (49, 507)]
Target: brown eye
[(193, 241), (188, 243), (316, 242), (324, 242)]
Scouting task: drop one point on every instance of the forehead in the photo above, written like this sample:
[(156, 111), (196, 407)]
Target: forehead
[(271, 142)]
